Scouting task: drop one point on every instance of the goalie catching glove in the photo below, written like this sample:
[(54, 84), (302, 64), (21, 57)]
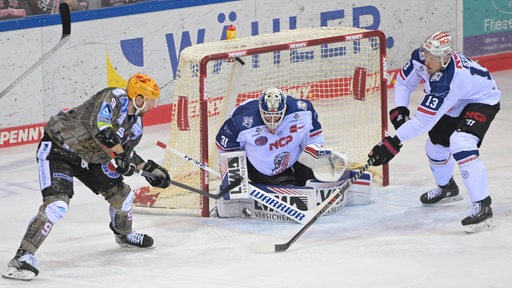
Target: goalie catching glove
[(327, 165), (160, 177)]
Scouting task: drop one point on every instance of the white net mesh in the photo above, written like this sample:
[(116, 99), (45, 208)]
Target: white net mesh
[(322, 73)]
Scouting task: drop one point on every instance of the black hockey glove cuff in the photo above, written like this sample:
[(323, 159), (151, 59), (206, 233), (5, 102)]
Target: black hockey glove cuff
[(107, 137), (124, 165), (383, 152), (399, 116), (160, 177)]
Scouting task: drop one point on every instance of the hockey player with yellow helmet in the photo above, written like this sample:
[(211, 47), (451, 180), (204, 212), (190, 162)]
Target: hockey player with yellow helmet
[(80, 143)]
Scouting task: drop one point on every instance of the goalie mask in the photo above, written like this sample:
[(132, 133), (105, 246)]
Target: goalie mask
[(272, 104), (439, 44)]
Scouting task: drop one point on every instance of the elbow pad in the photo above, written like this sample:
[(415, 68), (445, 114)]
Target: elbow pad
[(107, 137)]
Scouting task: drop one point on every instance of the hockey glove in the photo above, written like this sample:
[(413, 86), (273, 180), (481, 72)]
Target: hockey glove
[(383, 152), (160, 177), (124, 166), (399, 116)]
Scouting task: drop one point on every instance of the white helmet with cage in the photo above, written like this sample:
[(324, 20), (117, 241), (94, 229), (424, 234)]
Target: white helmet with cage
[(272, 103), (439, 44)]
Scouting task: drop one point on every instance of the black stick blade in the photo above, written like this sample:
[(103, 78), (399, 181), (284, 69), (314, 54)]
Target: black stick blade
[(65, 17)]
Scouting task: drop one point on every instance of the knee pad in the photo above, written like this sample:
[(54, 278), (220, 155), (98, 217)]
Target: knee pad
[(56, 211), (463, 143), (436, 152), (120, 197)]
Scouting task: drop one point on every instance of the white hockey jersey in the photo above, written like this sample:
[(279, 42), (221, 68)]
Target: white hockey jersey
[(447, 92), (270, 153)]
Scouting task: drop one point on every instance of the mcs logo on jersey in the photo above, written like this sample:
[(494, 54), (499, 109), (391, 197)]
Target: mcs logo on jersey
[(281, 142)]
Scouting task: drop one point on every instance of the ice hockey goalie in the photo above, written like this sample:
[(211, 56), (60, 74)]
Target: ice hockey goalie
[(240, 202)]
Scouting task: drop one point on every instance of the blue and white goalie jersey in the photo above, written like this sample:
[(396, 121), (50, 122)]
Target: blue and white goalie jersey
[(270, 153)]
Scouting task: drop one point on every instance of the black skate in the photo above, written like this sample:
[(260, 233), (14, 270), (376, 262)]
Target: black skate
[(480, 218), (133, 240), (442, 194), (22, 266)]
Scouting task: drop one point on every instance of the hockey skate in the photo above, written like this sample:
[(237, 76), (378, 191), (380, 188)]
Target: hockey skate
[(22, 266), (480, 218), (442, 194), (133, 240)]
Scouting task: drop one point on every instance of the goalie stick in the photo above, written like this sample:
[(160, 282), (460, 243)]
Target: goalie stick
[(231, 186), (319, 210), (255, 193), (65, 18)]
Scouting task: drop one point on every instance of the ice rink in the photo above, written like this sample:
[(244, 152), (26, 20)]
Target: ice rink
[(393, 242)]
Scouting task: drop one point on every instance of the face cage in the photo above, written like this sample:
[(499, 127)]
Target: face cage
[(276, 118)]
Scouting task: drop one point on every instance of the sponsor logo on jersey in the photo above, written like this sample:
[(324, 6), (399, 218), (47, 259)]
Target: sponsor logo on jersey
[(247, 121), (281, 162), (109, 170), (63, 176), (460, 62), (124, 104), (260, 141), (105, 111), (281, 142), (296, 128), (437, 76), (301, 105), (113, 102), (118, 92)]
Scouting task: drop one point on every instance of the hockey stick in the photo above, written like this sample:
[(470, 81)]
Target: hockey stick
[(255, 193), (65, 18), (231, 186), (320, 209), (188, 158)]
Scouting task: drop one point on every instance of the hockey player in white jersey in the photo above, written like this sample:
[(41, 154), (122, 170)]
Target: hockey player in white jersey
[(282, 140), (461, 100), (276, 127)]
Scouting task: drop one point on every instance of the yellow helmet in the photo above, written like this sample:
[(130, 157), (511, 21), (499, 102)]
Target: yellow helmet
[(142, 84)]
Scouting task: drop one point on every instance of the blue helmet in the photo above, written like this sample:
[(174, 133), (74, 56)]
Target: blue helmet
[(272, 103)]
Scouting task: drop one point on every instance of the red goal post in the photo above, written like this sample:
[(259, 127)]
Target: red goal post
[(341, 70)]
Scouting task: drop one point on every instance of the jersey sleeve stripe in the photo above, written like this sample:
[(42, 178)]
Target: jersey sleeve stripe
[(425, 111), (316, 133)]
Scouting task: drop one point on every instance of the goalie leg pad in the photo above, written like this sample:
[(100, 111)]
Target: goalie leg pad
[(360, 192), (234, 207)]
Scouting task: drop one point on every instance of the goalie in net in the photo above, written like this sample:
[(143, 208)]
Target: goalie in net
[(282, 139), (340, 70)]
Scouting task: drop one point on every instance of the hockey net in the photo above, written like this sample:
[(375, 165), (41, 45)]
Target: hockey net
[(341, 70)]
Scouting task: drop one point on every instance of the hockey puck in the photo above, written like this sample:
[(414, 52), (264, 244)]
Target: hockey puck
[(247, 212)]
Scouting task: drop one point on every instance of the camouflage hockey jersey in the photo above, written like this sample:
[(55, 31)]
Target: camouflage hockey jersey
[(75, 129)]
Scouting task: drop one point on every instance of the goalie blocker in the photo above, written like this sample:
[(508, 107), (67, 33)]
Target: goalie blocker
[(238, 203)]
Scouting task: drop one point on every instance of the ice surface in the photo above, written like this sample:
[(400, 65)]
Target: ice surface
[(394, 242)]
